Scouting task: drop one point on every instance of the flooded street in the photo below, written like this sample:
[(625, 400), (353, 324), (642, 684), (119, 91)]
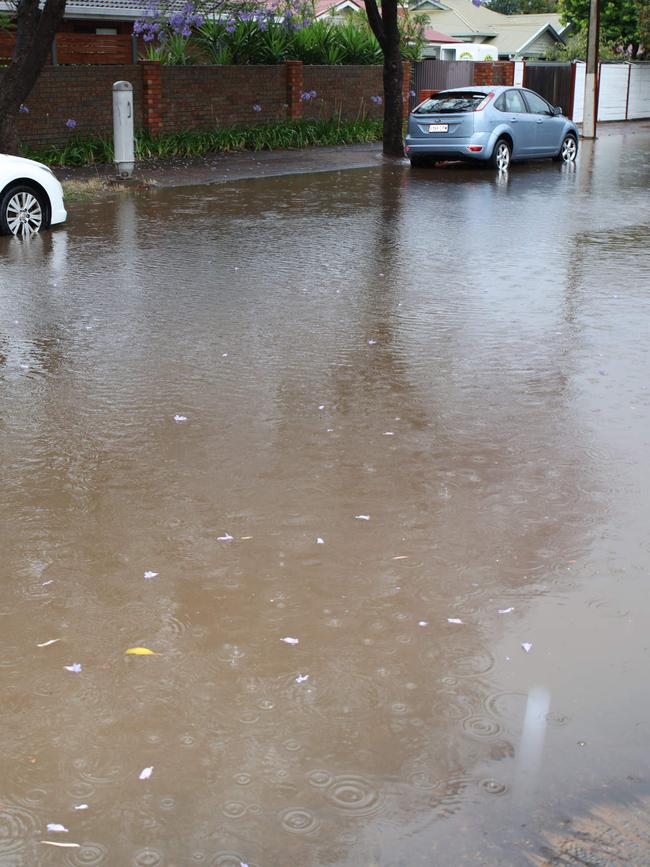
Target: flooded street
[(350, 409)]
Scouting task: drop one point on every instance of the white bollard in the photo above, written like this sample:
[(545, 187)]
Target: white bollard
[(123, 143)]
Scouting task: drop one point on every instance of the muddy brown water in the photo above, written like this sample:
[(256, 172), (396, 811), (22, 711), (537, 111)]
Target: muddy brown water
[(410, 397)]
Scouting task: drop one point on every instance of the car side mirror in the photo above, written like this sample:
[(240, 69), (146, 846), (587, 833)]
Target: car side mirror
[(557, 110)]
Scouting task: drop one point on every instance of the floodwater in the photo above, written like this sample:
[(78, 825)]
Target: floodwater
[(409, 398)]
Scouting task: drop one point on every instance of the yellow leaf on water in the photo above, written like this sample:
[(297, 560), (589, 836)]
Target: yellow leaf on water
[(141, 651)]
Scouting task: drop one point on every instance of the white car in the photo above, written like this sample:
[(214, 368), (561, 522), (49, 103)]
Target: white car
[(31, 198)]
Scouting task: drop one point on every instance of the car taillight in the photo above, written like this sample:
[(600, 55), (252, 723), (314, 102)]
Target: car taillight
[(484, 102), (475, 149)]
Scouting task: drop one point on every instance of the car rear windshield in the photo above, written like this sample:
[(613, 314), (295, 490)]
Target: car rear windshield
[(451, 103)]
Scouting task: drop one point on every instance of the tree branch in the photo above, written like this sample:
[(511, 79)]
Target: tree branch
[(376, 22)]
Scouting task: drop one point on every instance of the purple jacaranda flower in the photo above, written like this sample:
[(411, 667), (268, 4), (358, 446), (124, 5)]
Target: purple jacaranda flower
[(476, 2), (231, 27), (376, 99), (257, 107), (23, 109), (312, 94), (411, 93), (75, 668), (71, 123)]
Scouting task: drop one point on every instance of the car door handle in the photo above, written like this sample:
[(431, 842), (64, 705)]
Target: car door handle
[(540, 120), (513, 120)]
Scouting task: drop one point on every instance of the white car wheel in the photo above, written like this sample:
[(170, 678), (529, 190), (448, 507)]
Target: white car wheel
[(22, 212)]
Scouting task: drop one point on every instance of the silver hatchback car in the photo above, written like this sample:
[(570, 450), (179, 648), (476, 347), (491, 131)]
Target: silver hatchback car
[(493, 125)]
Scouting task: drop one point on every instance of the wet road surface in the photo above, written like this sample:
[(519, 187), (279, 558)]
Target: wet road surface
[(350, 409)]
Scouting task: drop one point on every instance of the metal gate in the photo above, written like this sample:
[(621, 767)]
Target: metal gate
[(434, 74), (550, 80)]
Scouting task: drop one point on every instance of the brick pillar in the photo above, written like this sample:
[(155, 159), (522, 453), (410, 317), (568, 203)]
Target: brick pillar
[(152, 96), (295, 86), (509, 77), (406, 83)]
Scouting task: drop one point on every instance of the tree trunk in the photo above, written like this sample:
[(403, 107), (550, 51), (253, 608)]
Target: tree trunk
[(393, 140), (386, 30), (35, 29)]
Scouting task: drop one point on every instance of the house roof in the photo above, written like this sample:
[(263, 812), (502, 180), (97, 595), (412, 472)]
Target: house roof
[(461, 18), (324, 7), (432, 35)]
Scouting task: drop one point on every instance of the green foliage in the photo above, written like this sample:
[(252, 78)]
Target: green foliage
[(322, 42), (576, 49), (288, 134), (644, 27), (619, 21)]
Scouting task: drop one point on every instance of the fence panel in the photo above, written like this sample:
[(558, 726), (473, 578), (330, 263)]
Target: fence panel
[(612, 94), (434, 74), (550, 80), (91, 48), (639, 98)]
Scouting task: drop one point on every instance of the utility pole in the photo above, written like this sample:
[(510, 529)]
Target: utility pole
[(590, 112)]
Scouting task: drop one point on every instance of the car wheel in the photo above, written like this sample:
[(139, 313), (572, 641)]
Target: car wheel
[(23, 211), (418, 160), (501, 155), (568, 151)]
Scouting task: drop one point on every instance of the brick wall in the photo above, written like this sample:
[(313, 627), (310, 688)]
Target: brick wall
[(80, 92), (202, 97), (344, 89), (494, 72)]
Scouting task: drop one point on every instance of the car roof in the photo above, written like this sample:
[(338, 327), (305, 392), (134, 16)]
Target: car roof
[(479, 88)]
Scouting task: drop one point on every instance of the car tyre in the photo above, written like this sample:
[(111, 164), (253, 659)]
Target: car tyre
[(501, 155), (568, 150), (23, 211), (418, 161)]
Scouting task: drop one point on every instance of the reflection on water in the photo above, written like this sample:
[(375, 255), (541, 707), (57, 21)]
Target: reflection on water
[(411, 399)]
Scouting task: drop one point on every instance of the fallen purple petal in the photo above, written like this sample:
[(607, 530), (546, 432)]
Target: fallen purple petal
[(81, 806), (149, 575), (320, 541), (225, 538), (180, 418), (289, 640), (57, 828), (505, 610), (454, 620), (527, 646), (145, 773), (75, 667), (362, 517), (47, 643), (302, 678)]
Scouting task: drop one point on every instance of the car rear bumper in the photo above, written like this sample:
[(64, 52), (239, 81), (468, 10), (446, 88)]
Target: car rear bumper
[(450, 148)]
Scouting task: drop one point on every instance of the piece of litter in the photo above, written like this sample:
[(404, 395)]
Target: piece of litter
[(454, 620), (242, 864), (61, 845), (288, 640), (56, 828), (527, 647), (47, 643), (320, 541), (180, 418), (45, 583), (423, 622), (75, 667), (149, 575), (302, 678), (140, 651), (145, 773), (505, 610), (362, 517), (389, 433), (81, 806), (225, 538)]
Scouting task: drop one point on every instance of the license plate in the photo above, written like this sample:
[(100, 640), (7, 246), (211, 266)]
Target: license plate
[(438, 127)]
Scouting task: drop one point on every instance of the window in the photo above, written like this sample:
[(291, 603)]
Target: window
[(515, 102), (537, 105), (451, 102), (500, 104)]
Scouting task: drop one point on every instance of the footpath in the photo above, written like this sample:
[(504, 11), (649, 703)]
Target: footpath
[(221, 168)]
